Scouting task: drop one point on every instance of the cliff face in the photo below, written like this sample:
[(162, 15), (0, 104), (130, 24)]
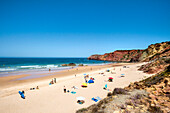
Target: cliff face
[(119, 55), (153, 51), (156, 51), (155, 66)]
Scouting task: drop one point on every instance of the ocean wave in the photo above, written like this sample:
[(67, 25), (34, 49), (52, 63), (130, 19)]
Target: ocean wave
[(54, 67), (37, 66), (7, 69)]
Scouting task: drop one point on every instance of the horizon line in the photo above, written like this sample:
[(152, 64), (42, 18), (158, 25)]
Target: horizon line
[(43, 57)]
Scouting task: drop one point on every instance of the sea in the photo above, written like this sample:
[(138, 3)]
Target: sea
[(13, 66)]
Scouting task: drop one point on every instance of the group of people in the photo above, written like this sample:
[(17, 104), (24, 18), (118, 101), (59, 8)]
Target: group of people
[(53, 81), (86, 77), (34, 88)]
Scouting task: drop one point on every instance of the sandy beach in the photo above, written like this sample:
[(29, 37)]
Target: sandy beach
[(52, 99)]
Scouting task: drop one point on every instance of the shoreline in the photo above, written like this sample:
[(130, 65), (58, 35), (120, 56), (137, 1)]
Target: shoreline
[(8, 82), (45, 70)]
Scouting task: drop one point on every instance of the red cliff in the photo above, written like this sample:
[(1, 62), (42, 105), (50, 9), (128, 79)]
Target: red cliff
[(154, 51), (119, 55)]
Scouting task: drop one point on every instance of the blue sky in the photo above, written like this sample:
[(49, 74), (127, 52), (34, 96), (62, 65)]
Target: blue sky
[(80, 28)]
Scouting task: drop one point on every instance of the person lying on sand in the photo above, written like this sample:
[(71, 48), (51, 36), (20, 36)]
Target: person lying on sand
[(80, 101), (73, 87)]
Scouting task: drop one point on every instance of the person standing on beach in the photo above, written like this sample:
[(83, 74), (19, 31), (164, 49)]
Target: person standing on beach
[(85, 80), (64, 89), (54, 80)]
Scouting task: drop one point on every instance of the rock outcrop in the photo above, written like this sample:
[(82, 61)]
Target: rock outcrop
[(156, 51), (155, 66), (70, 64), (153, 52)]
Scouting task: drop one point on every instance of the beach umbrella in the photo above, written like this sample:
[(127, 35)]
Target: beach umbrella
[(80, 98), (107, 70), (90, 81), (84, 84), (85, 74), (122, 74), (105, 85), (110, 78), (76, 87)]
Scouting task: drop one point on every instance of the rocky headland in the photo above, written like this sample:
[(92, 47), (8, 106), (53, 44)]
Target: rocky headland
[(119, 55), (153, 51)]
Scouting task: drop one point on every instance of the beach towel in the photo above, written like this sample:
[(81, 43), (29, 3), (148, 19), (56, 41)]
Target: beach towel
[(73, 92), (109, 90), (98, 98), (80, 103), (94, 99)]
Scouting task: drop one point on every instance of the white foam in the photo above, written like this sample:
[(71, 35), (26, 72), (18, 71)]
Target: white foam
[(7, 69), (39, 66)]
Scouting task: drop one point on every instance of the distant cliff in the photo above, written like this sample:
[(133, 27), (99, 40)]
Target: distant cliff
[(119, 55), (153, 51)]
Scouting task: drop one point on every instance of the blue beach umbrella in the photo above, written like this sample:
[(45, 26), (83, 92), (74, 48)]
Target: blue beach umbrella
[(22, 94), (105, 85), (90, 81)]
